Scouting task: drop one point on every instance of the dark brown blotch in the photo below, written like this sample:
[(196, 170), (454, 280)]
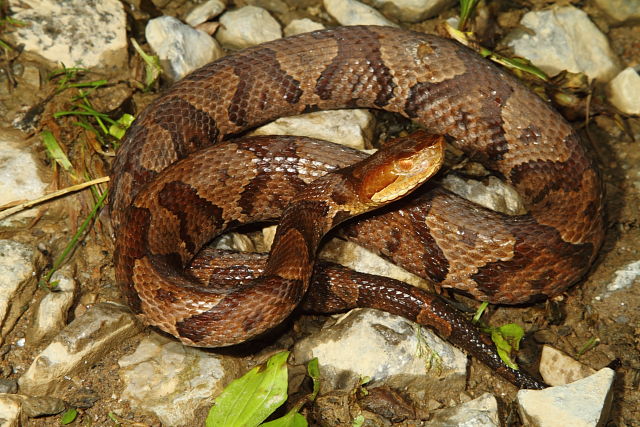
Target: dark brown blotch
[(261, 69), (189, 127), (195, 213), (349, 58)]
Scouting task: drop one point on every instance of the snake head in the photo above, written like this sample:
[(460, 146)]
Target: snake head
[(400, 167)]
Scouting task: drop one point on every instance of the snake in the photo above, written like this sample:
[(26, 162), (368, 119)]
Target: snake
[(186, 172)]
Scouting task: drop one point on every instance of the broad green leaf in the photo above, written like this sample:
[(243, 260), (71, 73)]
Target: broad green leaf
[(120, 127), (358, 421), (250, 399), (68, 417), (506, 339), (292, 419)]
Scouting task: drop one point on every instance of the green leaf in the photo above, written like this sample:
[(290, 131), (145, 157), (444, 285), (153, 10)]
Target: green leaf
[(292, 419), (250, 399), (69, 416), (507, 338), (313, 370), (358, 421), (55, 151), (152, 64), (122, 124)]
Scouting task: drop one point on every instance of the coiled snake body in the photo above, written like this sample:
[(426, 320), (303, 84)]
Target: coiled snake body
[(439, 84)]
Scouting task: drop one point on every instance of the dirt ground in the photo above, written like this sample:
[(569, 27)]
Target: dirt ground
[(585, 313)]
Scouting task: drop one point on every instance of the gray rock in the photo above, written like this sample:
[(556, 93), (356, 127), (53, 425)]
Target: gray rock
[(352, 12), (78, 33), (299, 26), (479, 412), (584, 403), (52, 311), (19, 177), (620, 10), (381, 347), (412, 10), (557, 368), (563, 38), (19, 265), (181, 48), (204, 12), (8, 386), (40, 406), (353, 128), (494, 194), (247, 26), (624, 91), (84, 341), (172, 380)]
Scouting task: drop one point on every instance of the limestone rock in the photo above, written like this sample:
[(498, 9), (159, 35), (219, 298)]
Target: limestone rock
[(383, 348), (584, 403), (624, 91), (172, 380), (564, 38), (77, 33), (181, 48), (352, 12), (247, 26), (84, 341), (19, 264)]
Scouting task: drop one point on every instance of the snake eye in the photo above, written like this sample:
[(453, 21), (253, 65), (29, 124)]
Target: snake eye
[(404, 166)]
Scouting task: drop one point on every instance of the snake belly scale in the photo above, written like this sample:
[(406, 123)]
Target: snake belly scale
[(437, 83)]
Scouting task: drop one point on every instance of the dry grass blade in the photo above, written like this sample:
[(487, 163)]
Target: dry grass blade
[(25, 205)]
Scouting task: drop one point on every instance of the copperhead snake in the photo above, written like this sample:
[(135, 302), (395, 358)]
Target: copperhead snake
[(166, 205)]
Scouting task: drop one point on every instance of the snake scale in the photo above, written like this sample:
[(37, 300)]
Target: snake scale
[(437, 83)]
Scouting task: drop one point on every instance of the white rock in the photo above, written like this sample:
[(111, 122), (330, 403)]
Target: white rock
[(564, 38), (204, 12), (299, 26), (624, 278), (495, 194), (584, 403), (624, 91), (172, 380), (412, 10), (76, 33), (181, 49), (620, 10), (353, 128), (557, 368), (360, 259), (19, 177), (366, 343), (51, 313), (352, 12), (19, 264), (479, 412), (10, 410), (247, 26), (84, 341)]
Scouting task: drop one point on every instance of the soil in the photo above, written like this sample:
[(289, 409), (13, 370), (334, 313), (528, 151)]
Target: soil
[(586, 313)]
